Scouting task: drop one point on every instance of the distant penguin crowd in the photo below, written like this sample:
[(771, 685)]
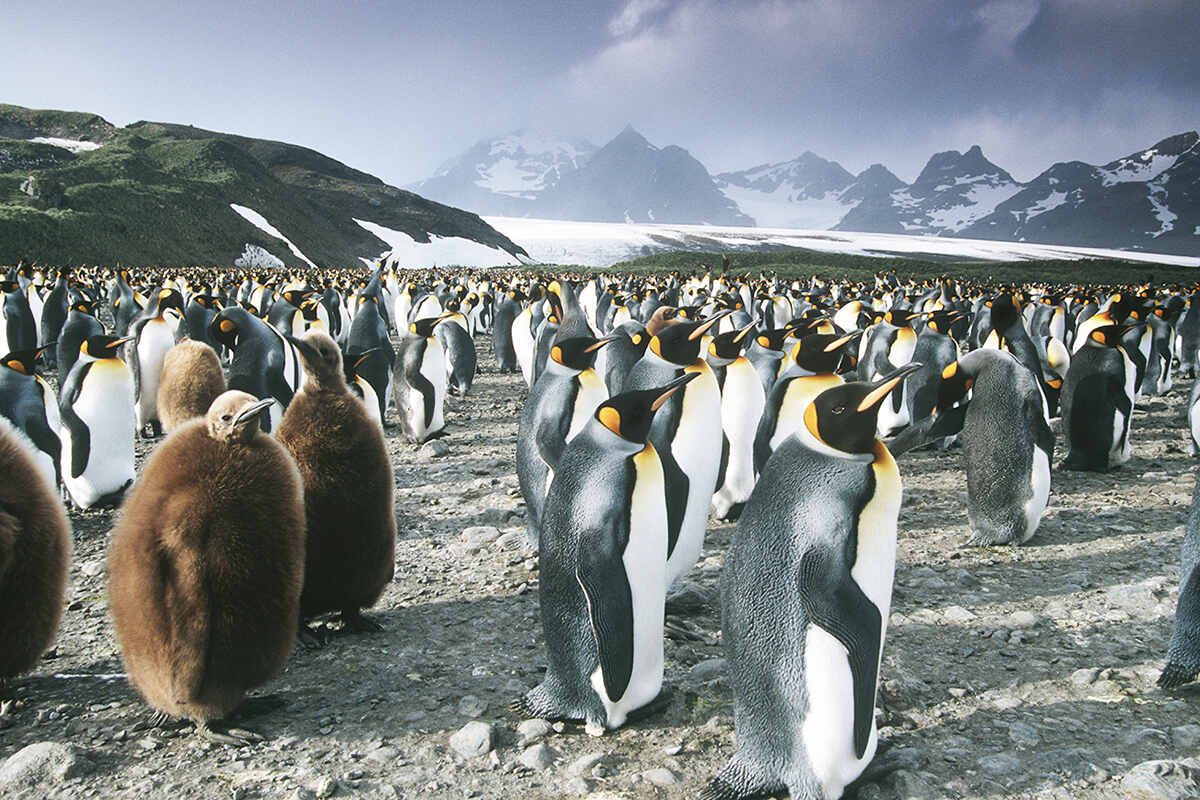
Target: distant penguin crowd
[(655, 404)]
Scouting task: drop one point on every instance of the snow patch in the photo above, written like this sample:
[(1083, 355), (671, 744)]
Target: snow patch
[(979, 201), (74, 145), (601, 244), (440, 251), (782, 209), (1166, 217), (255, 257), (1142, 167), (1053, 201), (259, 221)]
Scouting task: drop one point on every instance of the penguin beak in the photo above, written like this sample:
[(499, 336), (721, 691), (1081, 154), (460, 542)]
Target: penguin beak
[(671, 388), (843, 341), (600, 343), (884, 386), (708, 323), (251, 412), (741, 334), (364, 356)]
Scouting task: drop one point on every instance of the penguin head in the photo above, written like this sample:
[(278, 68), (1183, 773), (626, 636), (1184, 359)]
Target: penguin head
[(579, 352), (940, 321), (424, 327), (322, 359), (661, 318), (85, 306), (953, 387), (680, 343), (233, 417), (845, 417), (225, 326), (900, 317), (821, 353), (23, 361), (351, 363), (629, 415), (103, 346), (1108, 335), (729, 345), (8, 286), (772, 338), (169, 298)]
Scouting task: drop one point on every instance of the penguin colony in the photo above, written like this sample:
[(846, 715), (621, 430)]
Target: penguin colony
[(653, 404)]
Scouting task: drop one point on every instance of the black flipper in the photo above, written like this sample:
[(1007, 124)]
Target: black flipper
[(601, 574), (835, 603), (677, 484), (930, 429), (724, 460), (81, 437), (551, 435)]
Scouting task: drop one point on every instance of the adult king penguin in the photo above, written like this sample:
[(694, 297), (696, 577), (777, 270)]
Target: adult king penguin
[(742, 403), (339, 449), (97, 430), (154, 336), (265, 364), (419, 382), (28, 402), (806, 594), (1183, 654), (602, 573), (206, 565), (1097, 402), (35, 548)]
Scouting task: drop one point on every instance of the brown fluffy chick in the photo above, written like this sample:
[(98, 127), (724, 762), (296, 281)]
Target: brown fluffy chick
[(35, 548), (191, 380), (206, 565), (347, 488)]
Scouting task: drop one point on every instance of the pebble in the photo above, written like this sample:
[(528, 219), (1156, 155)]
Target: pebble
[(1021, 619), (324, 786), (531, 730), (435, 449), (471, 706), (473, 739), (1162, 780), (1085, 676), (584, 764), (538, 757), (660, 776), (1185, 737), (41, 764), (578, 786), (706, 671), (480, 534), (957, 614), (1000, 763)]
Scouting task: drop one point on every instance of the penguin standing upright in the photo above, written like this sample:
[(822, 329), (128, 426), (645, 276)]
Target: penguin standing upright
[(206, 565), (339, 449), (1097, 402), (80, 324), (461, 358), (360, 387), (153, 336), (1183, 654), (191, 380), (742, 403), (507, 309), (602, 568), (687, 435), (265, 364), (28, 402), (806, 595), (96, 411), (17, 329), (1007, 443), (556, 409), (54, 315), (35, 549), (419, 382), (626, 347), (369, 332)]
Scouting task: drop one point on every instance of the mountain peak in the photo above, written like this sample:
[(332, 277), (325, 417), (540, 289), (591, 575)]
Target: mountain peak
[(628, 137)]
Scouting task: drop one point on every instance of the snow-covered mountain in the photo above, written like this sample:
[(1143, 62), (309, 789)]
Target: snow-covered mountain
[(802, 193), (506, 175), (1147, 200)]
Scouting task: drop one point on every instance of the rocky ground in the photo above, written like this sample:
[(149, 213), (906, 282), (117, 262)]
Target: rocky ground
[(1008, 672)]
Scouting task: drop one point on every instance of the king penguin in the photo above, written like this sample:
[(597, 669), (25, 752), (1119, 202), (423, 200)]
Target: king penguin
[(602, 569), (1097, 402), (419, 382), (97, 432), (1183, 654), (556, 409), (742, 403), (206, 565), (806, 594), (35, 549), (265, 364), (29, 403), (153, 337), (81, 323), (339, 449)]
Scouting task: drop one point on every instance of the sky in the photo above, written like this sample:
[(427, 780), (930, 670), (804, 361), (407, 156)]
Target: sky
[(396, 88)]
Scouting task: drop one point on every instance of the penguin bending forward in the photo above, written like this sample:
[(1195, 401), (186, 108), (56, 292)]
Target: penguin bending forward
[(603, 568), (206, 565), (806, 593)]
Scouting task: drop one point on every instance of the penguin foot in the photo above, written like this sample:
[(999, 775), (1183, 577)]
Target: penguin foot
[(159, 719), (535, 705), (312, 637), (233, 737), (354, 622), (1175, 675)]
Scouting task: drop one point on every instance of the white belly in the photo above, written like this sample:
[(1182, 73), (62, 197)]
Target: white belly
[(645, 561), (1039, 480), (742, 403), (592, 393), (106, 407), (697, 449), (370, 399), (152, 347), (433, 368), (522, 339)]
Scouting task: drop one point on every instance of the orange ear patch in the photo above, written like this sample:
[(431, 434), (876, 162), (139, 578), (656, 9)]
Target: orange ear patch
[(227, 326), (610, 418)]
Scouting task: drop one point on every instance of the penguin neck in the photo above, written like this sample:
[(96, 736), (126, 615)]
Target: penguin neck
[(810, 441), (603, 436), (556, 368)]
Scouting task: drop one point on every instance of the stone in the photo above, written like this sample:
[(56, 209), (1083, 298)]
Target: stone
[(1021, 619), (471, 706), (538, 757), (1162, 780), (531, 730), (480, 534), (42, 764), (1000, 764), (435, 449), (909, 785), (578, 786), (957, 614), (473, 739), (706, 671), (1023, 734), (660, 776), (324, 786), (583, 765), (1085, 676), (1185, 737)]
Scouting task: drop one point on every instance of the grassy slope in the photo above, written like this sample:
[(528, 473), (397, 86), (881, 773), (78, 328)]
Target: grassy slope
[(804, 263), (160, 194)]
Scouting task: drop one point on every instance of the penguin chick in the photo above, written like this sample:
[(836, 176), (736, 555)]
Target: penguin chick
[(191, 380), (35, 547), (206, 564), (347, 477)]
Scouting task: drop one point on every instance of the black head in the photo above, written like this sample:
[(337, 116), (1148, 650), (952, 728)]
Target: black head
[(821, 353), (953, 387), (23, 361), (1122, 306), (352, 361), (227, 325), (680, 343), (729, 345), (940, 321), (169, 298), (772, 339), (1108, 335), (845, 417), (578, 352), (424, 327), (629, 414), (103, 346), (900, 317), (85, 306)]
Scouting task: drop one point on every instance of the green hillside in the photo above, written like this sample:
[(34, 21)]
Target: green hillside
[(158, 193)]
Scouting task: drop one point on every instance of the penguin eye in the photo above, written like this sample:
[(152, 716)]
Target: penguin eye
[(227, 417), (838, 409)]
